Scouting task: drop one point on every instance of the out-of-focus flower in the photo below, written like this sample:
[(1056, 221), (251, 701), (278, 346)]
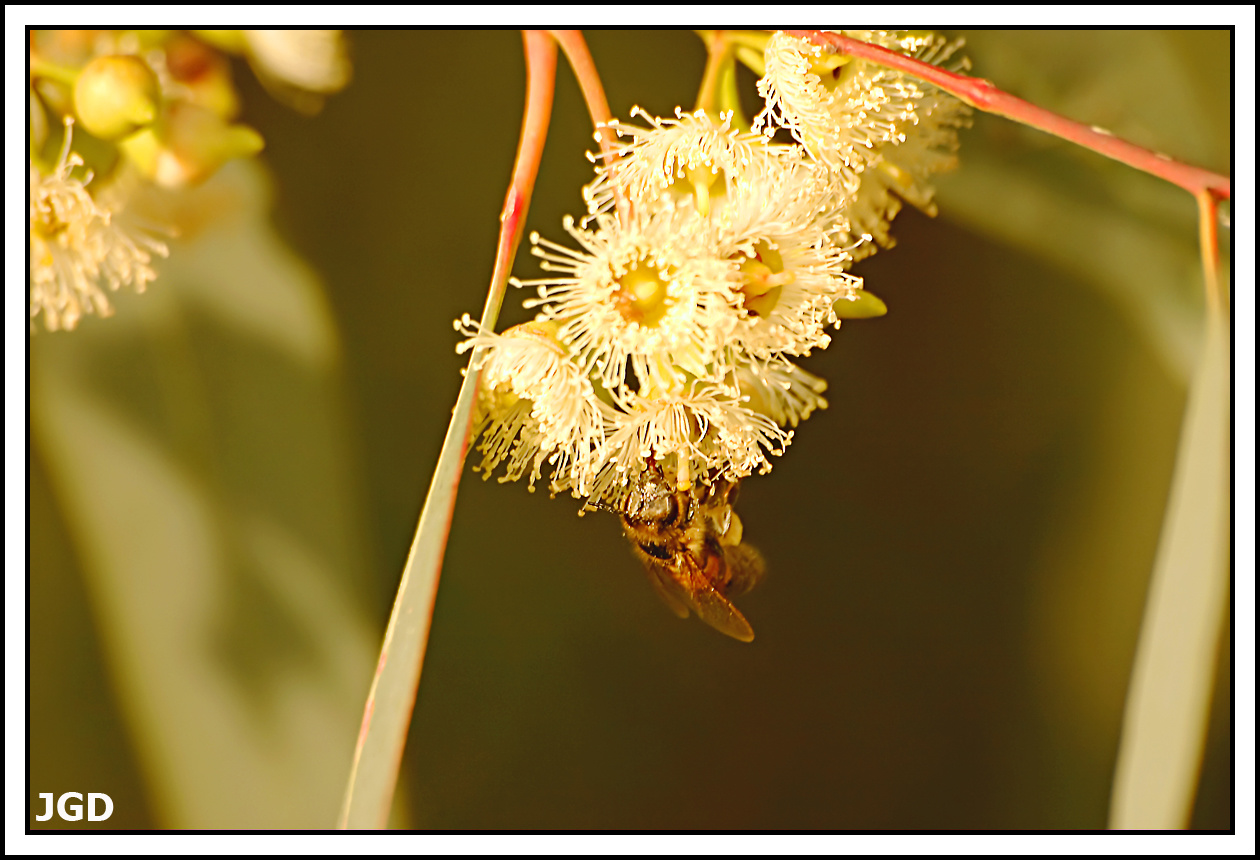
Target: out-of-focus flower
[(77, 245), (312, 60), (115, 96), (188, 144), (300, 67), (159, 107)]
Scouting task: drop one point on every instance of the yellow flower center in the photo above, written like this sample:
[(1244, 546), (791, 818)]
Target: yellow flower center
[(832, 70), (642, 295), (763, 279)]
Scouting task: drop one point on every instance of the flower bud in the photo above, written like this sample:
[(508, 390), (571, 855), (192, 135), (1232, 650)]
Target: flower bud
[(188, 144), (204, 75), (863, 305), (116, 96)]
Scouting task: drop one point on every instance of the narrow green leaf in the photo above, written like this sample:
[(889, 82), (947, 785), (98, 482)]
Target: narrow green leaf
[(1165, 721), (369, 791), (374, 772)]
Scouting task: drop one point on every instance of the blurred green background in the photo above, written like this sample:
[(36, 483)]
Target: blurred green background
[(225, 478)]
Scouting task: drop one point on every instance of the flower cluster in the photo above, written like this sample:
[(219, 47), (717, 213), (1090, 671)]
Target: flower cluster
[(112, 111), (710, 259)]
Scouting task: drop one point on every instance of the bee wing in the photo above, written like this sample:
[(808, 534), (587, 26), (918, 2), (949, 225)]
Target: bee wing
[(664, 584), (710, 604)]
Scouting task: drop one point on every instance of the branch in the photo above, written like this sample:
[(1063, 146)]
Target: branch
[(387, 714), (983, 95)]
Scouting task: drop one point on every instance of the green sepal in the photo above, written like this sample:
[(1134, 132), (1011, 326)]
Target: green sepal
[(864, 305)]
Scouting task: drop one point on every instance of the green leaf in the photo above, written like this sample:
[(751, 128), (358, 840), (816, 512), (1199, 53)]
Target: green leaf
[(1170, 694), (369, 796)]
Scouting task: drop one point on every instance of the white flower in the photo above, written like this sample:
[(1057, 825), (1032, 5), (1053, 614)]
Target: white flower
[(76, 245), (878, 129), (665, 342), (781, 390), (787, 277), (692, 160), (903, 171), (535, 404), (649, 299), (697, 436)]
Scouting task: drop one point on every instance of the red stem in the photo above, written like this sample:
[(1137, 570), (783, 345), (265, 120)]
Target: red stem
[(1208, 250), (983, 95), (583, 65), (579, 57), (540, 60), (383, 731)]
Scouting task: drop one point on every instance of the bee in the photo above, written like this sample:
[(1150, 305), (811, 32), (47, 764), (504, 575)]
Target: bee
[(689, 542)]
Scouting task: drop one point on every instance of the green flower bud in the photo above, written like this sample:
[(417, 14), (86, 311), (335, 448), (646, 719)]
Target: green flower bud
[(116, 96), (862, 306)]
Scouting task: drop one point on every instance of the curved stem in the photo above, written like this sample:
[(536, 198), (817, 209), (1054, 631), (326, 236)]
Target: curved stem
[(983, 95), (387, 713), (583, 65)]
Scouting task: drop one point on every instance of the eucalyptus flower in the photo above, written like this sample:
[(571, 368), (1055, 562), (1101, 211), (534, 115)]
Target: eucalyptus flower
[(698, 435), (77, 247), (882, 132), (694, 160), (648, 299), (708, 260), (535, 404)]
